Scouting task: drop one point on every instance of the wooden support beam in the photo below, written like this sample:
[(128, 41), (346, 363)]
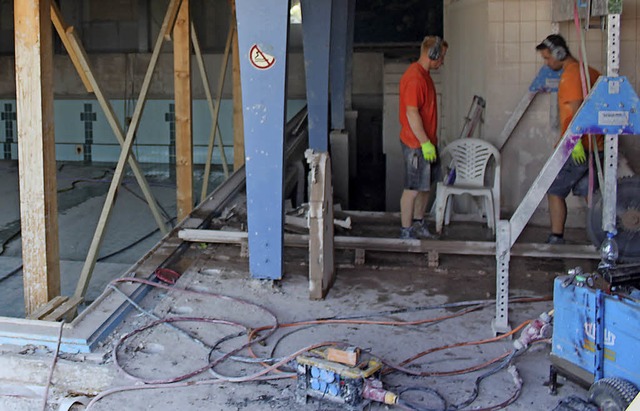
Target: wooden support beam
[(37, 156), (183, 114), (63, 310), (238, 122), (322, 271), (534, 250), (46, 309), (92, 255), (61, 27), (214, 109)]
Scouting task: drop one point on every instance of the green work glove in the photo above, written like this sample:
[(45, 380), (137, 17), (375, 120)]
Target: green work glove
[(428, 151), (578, 154)]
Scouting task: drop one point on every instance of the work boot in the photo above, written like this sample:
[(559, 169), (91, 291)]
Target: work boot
[(555, 239), (422, 231), (407, 233)]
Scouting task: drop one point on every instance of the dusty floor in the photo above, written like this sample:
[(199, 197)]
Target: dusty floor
[(390, 288)]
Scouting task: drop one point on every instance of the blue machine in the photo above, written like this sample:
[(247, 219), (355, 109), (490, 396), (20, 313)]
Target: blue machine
[(595, 334)]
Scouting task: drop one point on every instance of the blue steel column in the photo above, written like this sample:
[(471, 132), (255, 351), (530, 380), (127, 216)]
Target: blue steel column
[(316, 40), (351, 20), (339, 16), (263, 29)]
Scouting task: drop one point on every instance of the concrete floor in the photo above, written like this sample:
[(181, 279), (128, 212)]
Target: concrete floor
[(219, 276)]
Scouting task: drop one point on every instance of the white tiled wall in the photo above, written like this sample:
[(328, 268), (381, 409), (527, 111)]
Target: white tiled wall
[(152, 137)]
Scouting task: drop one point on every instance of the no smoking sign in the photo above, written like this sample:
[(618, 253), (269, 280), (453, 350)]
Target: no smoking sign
[(259, 59)]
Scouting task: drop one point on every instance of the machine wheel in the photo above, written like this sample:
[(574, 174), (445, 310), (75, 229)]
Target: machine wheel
[(627, 221), (612, 394)]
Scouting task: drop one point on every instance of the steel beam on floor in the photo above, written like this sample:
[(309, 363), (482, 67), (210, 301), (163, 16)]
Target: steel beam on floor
[(316, 40), (263, 27)]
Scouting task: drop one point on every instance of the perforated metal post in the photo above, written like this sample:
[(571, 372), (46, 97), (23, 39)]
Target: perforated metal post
[(500, 324), (610, 191)]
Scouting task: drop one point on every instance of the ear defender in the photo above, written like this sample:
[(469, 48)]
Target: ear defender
[(557, 52), (436, 49)]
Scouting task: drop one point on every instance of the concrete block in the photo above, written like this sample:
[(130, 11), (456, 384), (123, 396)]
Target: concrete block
[(32, 370), (340, 161)]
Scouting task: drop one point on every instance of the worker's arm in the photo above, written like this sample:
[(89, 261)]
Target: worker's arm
[(578, 154), (415, 122), (573, 107)]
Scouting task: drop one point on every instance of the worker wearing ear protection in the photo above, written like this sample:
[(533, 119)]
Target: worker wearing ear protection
[(574, 175), (418, 136)]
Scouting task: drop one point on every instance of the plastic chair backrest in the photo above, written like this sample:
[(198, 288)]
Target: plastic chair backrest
[(470, 158)]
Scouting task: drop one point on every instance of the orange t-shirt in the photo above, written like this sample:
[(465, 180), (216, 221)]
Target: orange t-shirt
[(570, 89), (417, 90)]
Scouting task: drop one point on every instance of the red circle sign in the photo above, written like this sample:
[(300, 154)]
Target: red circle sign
[(259, 59)]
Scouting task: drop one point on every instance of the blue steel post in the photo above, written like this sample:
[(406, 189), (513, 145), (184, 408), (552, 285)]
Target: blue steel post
[(263, 29), (348, 88), (338, 70), (316, 40)]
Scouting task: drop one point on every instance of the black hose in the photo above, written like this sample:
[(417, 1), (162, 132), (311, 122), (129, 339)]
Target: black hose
[(414, 407), (476, 388)]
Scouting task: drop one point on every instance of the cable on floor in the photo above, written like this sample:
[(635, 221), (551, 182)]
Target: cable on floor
[(269, 332), (255, 336), (53, 367)]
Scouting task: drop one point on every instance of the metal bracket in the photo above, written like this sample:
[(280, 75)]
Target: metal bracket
[(546, 81)]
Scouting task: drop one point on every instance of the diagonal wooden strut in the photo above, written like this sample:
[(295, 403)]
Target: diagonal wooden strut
[(81, 62), (92, 255), (214, 111), (61, 27)]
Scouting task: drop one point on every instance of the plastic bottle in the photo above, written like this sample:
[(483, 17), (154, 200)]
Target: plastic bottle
[(608, 251)]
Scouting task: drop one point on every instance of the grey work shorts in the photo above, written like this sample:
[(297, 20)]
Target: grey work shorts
[(418, 173), (573, 177)]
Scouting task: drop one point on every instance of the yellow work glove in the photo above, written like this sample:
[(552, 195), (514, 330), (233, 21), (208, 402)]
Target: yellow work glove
[(578, 154), (428, 151)]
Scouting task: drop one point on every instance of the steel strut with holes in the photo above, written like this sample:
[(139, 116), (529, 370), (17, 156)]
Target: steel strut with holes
[(611, 108)]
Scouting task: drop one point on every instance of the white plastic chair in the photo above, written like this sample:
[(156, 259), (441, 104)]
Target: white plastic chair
[(470, 157)]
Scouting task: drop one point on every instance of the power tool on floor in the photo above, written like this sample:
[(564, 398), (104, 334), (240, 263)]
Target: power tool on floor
[(596, 333), (340, 376)]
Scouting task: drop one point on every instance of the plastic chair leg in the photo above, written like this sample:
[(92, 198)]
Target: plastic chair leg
[(491, 222), (441, 203)]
